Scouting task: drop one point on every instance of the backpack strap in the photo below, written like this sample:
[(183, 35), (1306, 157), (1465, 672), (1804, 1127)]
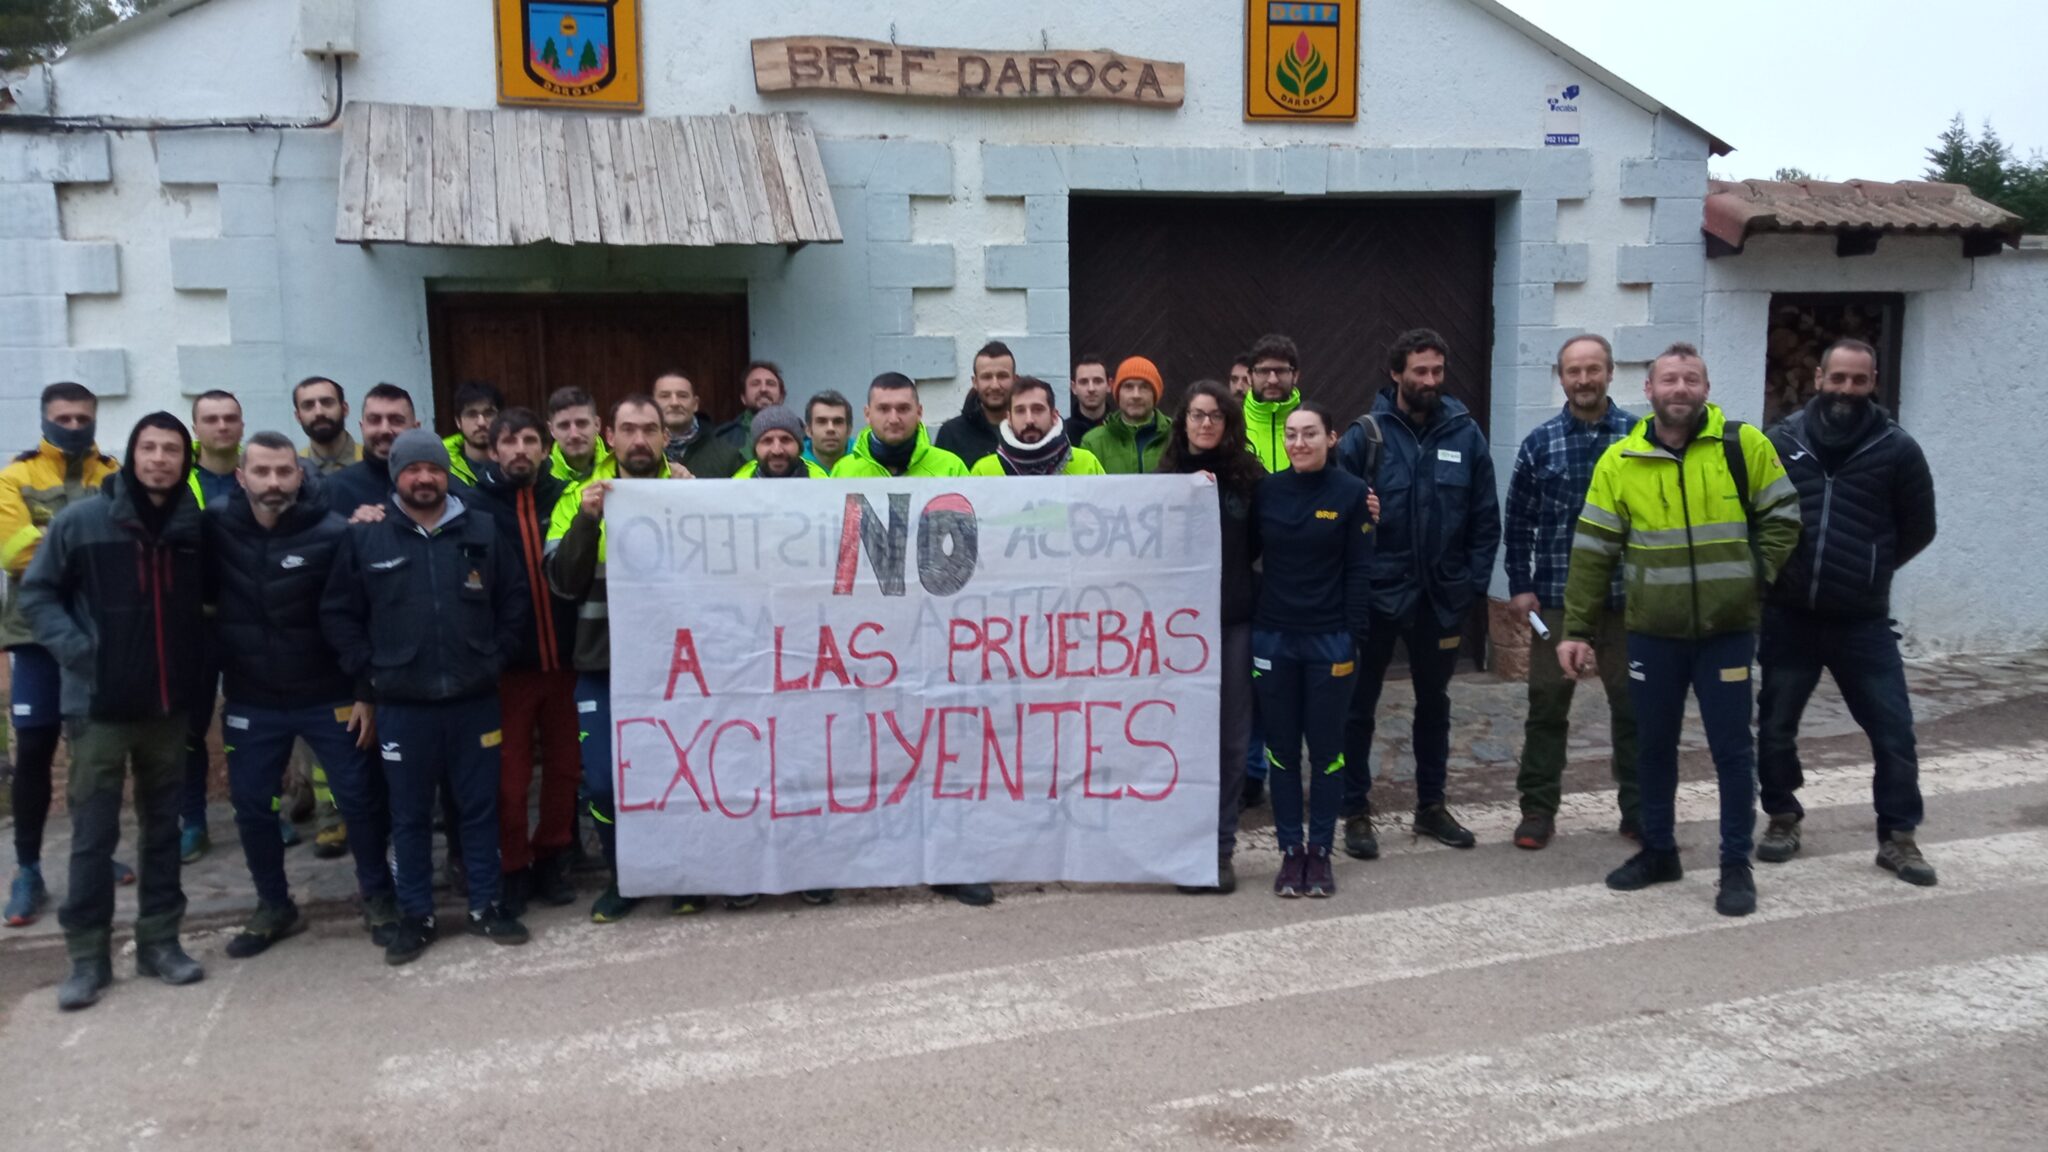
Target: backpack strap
[(1375, 447), (1738, 467)]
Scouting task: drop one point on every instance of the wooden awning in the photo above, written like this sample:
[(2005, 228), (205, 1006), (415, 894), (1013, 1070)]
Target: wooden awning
[(500, 177)]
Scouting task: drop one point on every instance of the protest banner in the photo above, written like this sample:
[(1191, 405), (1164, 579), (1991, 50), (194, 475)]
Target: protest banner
[(844, 684)]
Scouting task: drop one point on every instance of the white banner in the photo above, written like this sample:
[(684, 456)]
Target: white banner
[(848, 684)]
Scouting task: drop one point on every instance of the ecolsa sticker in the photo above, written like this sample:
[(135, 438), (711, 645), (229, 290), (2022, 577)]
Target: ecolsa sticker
[(1340, 671), (493, 738), (1449, 643), (341, 715), (1262, 664), (1450, 455), (238, 723), (1734, 675), (586, 705)]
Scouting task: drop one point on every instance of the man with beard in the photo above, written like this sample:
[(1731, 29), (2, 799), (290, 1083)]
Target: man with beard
[(538, 690), (423, 609), (1865, 489), (322, 412), (693, 450), (269, 553), (1241, 377), (1552, 470), (894, 443), (1439, 530), (1090, 389), (575, 572), (387, 411), (1033, 441), (779, 448), (972, 434), (828, 426), (579, 452), (469, 447), (114, 595), (1698, 512), (64, 468), (1274, 380), (760, 387), (1132, 438)]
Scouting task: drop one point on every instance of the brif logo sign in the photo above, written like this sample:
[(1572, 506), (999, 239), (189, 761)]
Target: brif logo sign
[(578, 53), (1301, 60)]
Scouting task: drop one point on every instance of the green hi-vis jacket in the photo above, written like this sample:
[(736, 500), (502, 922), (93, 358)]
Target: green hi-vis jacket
[(927, 459), (1676, 525), (1265, 427)]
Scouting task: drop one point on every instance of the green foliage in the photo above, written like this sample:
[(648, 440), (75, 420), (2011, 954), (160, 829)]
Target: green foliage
[(548, 55), (1991, 170), (588, 61), (1794, 176), (32, 30)]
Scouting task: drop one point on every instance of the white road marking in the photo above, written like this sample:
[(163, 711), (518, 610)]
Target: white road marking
[(213, 1015), (72, 1040), (963, 1009), (1635, 1071)]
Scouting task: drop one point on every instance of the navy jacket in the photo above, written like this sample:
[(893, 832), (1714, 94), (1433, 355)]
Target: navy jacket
[(265, 586), (423, 617), (1316, 538), (1439, 529), (1863, 520)]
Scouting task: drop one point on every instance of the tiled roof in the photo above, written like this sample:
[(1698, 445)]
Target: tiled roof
[(1737, 209)]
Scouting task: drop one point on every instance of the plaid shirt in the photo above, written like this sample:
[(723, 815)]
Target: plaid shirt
[(1553, 469)]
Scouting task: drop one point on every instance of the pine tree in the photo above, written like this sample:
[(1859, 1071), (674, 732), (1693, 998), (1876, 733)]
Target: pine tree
[(588, 61), (549, 56)]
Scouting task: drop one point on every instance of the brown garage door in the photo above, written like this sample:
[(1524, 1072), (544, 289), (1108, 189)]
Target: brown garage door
[(1192, 283), (613, 345)]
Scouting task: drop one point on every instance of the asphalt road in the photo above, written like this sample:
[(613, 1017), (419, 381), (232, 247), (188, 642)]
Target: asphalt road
[(1455, 1000)]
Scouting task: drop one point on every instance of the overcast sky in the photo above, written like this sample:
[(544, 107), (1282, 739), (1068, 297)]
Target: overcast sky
[(1842, 88)]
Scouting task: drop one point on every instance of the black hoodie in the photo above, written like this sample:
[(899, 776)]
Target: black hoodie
[(265, 586), (969, 435)]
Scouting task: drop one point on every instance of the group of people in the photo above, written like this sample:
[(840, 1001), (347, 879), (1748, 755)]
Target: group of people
[(427, 616)]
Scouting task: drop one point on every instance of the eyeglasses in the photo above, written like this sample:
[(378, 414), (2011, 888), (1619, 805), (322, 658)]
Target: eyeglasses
[(1199, 416), (1273, 370)]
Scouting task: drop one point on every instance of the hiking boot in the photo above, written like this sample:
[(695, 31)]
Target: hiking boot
[(972, 895), (610, 907), (1360, 841), (1780, 841), (88, 979), (331, 841), (168, 962), (552, 882), (1535, 831), (123, 874), (1899, 854), (193, 844), (289, 832), (1226, 881), (1318, 880), (513, 889), (1293, 877), (409, 938), (27, 896), (1254, 794), (819, 897), (271, 923), (1644, 869), (497, 924), (1437, 823), (1737, 896), (380, 916), (1630, 829), (688, 905), (742, 903)]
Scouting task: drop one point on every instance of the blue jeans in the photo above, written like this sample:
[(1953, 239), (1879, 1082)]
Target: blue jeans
[(422, 746), (594, 734), (1430, 665), (259, 747), (1303, 683), (1863, 657), (1716, 670)]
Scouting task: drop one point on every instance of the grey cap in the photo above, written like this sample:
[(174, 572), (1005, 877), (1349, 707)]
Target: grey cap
[(774, 417), (417, 446)]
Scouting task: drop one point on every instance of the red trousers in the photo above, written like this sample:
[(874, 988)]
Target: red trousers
[(530, 699)]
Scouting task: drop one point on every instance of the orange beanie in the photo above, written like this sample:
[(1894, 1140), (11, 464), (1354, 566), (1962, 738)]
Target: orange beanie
[(1139, 368)]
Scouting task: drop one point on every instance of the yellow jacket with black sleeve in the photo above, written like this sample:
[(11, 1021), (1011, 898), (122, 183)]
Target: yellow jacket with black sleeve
[(575, 567), (34, 487), (1676, 525)]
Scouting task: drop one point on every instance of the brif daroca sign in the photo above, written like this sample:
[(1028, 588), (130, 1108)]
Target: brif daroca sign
[(570, 53), (1301, 60), (847, 684)]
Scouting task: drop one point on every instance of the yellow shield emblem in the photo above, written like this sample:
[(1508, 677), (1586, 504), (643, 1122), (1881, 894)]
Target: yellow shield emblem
[(1301, 60)]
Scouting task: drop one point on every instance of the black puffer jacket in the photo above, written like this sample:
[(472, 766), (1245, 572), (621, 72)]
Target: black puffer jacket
[(1863, 520), (265, 586), (969, 435)]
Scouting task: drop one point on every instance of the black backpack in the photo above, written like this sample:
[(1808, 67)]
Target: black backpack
[(1738, 470), (1375, 447)]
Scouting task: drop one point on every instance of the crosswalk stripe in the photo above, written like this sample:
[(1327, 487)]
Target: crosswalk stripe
[(964, 1009), (1635, 1071)]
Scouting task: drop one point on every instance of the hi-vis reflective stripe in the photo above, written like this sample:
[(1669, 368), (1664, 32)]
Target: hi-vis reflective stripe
[(1584, 541), (19, 542), (1602, 517), (1684, 574), (1677, 537)]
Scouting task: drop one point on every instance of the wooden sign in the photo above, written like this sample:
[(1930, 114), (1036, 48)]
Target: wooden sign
[(802, 63), (1301, 60), (570, 54)]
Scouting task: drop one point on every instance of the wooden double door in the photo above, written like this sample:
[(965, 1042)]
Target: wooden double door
[(530, 344)]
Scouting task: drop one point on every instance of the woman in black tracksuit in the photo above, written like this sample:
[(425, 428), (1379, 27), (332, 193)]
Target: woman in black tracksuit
[(1316, 534)]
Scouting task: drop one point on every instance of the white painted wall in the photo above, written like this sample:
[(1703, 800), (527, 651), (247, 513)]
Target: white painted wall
[(1976, 335)]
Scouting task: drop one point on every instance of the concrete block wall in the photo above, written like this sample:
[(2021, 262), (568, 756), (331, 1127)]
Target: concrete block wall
[(242, 262), (1673, 263), (878, 178), (40, 271)]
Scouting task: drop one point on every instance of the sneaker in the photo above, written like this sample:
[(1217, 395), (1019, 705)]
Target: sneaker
[(1254, 793), (513, 889), (1318, 880), (409, 938), (552, 882), (610, 907), (972, 895), (497, 924), (1644, 869), (271, 923), (1898, 853), (688, 905), (1737, 896), (819, 897), (742, 903), (1293, 875), (331, 841), (1535, 831), (1226, 881), (289, 832), (1360, 841), (380, 919), (1437, 823), (124, 876), (1780, 841), (27, 896), (193, 844), (1630, 829)]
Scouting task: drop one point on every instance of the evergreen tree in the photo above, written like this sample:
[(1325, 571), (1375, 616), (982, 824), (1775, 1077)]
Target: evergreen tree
[(588, 61), (1986, 165), (549, 56)]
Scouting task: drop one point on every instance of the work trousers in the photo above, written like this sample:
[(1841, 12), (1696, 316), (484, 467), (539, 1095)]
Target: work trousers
[(423, 747), (259, 742), (1541, 781), (1716, 671), (1432, 657), (531, 701), (1303, 682), (103, 753)]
